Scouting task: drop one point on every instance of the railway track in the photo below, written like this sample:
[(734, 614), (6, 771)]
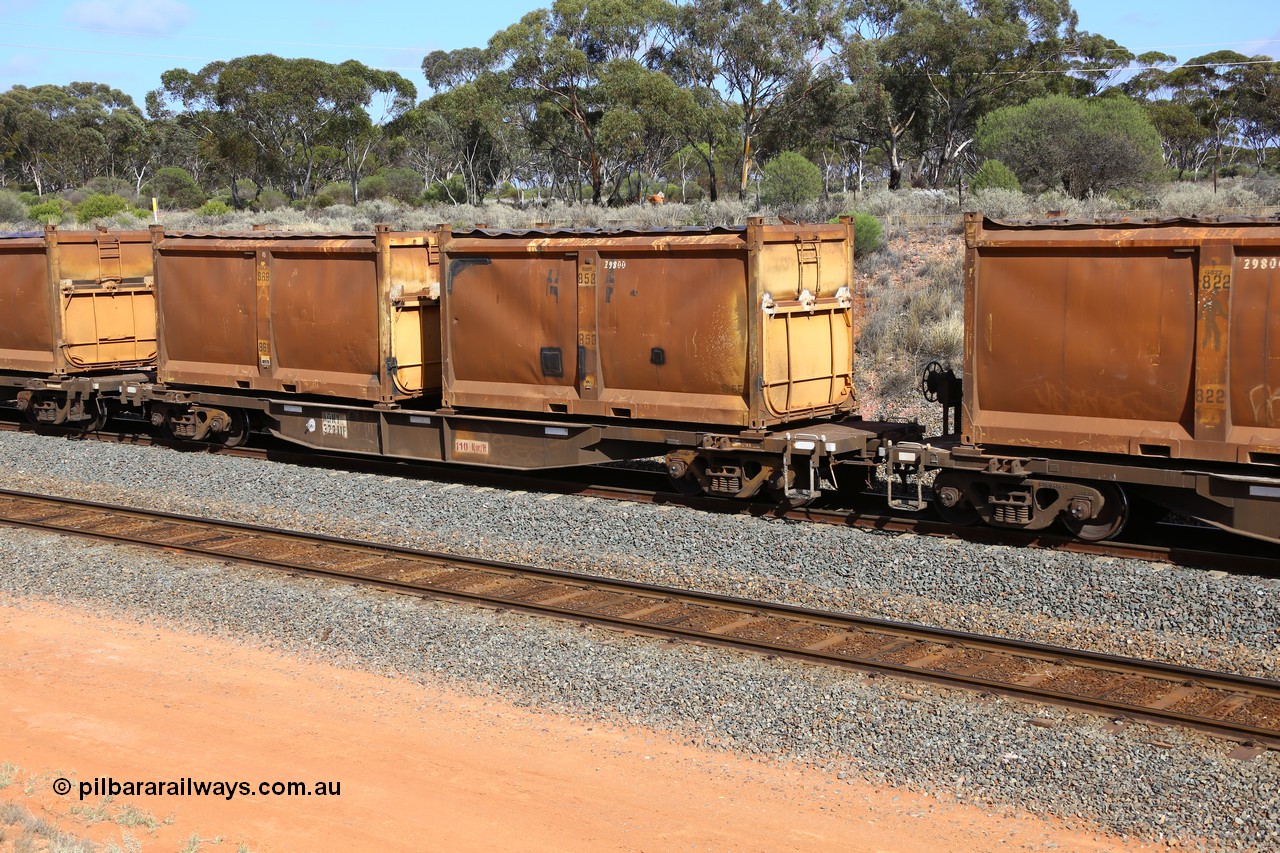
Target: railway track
[(1240, 708), (1198, 547)]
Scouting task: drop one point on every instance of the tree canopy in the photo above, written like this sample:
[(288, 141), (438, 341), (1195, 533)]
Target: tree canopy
[(605, 101)]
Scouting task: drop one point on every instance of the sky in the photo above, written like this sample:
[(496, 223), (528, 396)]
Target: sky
[(128, 44)]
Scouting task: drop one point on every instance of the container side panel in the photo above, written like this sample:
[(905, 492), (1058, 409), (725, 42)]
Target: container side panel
[(674, 325), (26, 321), (324, 313), (208, 305), (1089, 334), (514, 321), (1255, 340)]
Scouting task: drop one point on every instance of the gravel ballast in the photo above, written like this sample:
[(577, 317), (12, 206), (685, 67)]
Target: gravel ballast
[(1126, 607), (1142, 780)]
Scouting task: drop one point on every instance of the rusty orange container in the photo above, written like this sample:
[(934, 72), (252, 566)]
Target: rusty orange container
[(745, 326), (74, 302), (352, 315), (1142, 338)]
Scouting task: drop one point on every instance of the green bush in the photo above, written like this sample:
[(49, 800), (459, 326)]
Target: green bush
[(450, 192), (868, 233), (213, 207), (790, 179), (176, 189), (11, 207), (403, 184), (374, 186), (104, 185), (99, 206), (993, 174), (337, 193), (50, 212), (270, 200)]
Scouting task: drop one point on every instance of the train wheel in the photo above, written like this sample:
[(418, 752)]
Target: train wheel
[(778, 492), (951, 502), (779, 497), (29, 413), (99, 419), (682, 478), (1115, 512), (238, 434)]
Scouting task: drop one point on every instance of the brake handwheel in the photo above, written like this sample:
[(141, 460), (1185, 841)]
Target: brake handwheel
[(928, 384)]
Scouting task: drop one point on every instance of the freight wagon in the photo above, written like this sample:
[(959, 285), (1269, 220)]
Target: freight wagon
[(77, 321), (1110, 366), (728, 351)]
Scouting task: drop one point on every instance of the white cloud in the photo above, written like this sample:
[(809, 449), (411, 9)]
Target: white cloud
[(154, 17)]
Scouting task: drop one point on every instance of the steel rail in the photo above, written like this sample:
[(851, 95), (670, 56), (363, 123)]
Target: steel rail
[(1225, 551), (1241, 708)]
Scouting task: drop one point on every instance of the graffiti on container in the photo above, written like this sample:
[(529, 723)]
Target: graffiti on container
[(1265, 401), (1061, 399)]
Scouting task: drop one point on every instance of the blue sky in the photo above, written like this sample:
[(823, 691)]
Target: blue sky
[(128, 43)]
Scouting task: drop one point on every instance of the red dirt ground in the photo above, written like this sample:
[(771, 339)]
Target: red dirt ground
[(420, 768)]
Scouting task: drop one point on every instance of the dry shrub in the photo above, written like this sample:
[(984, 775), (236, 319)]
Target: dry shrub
[(914, 315)]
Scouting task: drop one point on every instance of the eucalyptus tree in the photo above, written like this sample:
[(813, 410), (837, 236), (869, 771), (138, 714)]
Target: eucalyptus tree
[(753, 54), (295, 113), (60, 136), (1259, 107), (1184, 139), (930, 68), (1211, 87), (558, 58)]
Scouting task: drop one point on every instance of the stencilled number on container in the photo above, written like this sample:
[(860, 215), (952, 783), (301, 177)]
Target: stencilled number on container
[(1215, 279), (1259, 263), (1212, 395), (615, 264), (334, 423)]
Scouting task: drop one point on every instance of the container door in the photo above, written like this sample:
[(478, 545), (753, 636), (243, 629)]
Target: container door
[(108, 325), (106, 298), (808, 328)]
